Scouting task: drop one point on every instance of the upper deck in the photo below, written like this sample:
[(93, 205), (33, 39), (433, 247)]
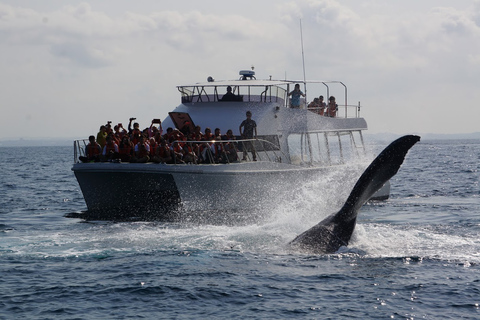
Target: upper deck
[(248, 89), (209, 105)]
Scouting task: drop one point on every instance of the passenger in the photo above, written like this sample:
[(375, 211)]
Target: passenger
[(229, 135), (206, 153), (153, 149), (142, 151), (125, 149), (186, 128), (296, 93), (229, 96), (332, 107), (102, 136), (230, 147), (217, 135), (92, 151), (217, 148), (109, 127), (110, 150), (230, 151), (135, 133), (208, 135), (197, 135), (314, 105), (177, 152), (164, 154), (168, 135), (322, 106), (120, 132), (158, 137), (177, 135), (249, 132), (153, 130), (317, 106), (130, 130), (189, 154)]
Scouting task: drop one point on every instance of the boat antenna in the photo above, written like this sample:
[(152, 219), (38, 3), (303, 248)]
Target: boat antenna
[(303, 60)]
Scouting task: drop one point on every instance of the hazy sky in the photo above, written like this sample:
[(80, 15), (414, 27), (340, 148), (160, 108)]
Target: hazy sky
[(68, 66)]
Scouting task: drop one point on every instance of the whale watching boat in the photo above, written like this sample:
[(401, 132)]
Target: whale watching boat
[(292, 146)]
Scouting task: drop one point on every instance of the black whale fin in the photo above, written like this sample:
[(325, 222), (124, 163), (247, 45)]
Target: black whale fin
[(335, 230)]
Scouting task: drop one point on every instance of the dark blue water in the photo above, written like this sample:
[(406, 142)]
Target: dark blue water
[(415, 256)]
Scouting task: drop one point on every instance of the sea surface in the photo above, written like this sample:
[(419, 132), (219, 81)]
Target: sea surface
[(414, 256)]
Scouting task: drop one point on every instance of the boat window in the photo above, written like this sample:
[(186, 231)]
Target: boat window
[(324, 148)]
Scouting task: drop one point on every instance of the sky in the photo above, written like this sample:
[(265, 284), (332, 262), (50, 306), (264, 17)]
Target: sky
[(66, 67)]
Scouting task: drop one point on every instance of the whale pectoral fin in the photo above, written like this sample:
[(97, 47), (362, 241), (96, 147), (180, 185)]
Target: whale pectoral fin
[(336, 230)]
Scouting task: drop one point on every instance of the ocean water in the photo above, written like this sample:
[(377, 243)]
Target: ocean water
[(415, 256)]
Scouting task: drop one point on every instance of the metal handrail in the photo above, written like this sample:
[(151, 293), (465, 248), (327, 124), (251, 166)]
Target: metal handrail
[(346, 107), (267, 151)]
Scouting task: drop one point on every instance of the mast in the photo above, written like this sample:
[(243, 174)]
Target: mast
[(303, 62)]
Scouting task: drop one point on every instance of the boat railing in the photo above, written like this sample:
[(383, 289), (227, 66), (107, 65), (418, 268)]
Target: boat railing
[(343, 111), (247, 149), (79, 149)]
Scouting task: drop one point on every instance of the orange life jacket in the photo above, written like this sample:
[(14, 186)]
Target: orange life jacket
[(93, 150), (125, 149)]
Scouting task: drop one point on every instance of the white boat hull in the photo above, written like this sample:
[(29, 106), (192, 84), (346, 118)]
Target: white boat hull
[(219, 194)]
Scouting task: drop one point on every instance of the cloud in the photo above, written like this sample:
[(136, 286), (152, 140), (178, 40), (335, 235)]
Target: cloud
[(398, 56)]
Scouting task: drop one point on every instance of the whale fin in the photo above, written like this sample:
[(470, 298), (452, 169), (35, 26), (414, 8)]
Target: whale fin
[(335, 230)]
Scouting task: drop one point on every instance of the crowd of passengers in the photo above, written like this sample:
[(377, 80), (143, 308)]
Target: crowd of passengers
[(152, 145)]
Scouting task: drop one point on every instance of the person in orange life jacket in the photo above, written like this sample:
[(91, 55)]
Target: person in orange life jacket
[(164, 154), (197, 134), (249, 132), (92, 151), (158, 138), (102, 136), (332, 107), (177, 151), (314, 105), (110, 150), (229, 135), (217, 149), (135, 132), (177, 135), (322, 106), (217, 146), (153, 148), (208, 134), (120, 132), (230, 147), (189, 153), (217, 134), (125, 149), (168, 135), (153, 130), (142, 151)]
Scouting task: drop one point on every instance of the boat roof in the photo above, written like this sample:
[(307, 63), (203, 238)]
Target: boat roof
[(255, 83), (226, 83)]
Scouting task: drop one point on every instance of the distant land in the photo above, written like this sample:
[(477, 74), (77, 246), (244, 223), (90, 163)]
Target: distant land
[(374, 137), (424, 136)]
